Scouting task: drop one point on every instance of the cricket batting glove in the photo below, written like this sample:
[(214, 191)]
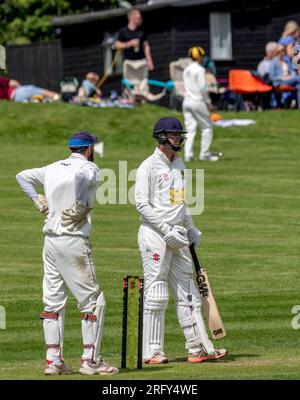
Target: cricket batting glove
[(194, 236), (41, 204), (74, 218), (177, 238)]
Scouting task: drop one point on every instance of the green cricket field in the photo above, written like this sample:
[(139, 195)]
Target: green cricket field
[(250, 241)]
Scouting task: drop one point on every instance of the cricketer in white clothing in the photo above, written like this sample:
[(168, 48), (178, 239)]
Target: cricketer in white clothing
[(196, 107), (164, 237), (69, 187)]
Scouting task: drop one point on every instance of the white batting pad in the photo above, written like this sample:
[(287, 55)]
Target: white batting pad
[(156, 302), (92, 331)]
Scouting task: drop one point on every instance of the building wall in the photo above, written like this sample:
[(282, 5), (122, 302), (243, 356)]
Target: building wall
[(39, 64), (171, 31)]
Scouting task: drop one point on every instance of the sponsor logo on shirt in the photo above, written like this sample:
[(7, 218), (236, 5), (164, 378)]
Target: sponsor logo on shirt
[(156, 257)]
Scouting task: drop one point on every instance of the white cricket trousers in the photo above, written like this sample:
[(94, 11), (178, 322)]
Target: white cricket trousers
[(163, 268), (196, 114), (68, 264)]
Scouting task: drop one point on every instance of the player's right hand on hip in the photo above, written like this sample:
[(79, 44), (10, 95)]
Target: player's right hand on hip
[(41, 204), (74, 218), (177, 238)]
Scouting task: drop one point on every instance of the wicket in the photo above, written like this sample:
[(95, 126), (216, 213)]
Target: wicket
[(131, 321)]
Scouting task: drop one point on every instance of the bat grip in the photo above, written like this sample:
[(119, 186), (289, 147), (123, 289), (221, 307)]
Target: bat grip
[(195, 258)]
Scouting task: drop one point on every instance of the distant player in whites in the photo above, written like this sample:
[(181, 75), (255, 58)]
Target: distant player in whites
[(69, 188), (196, 107), (164, 237)]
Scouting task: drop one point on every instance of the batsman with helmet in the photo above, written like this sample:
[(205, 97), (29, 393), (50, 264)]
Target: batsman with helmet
[(70, 187), (164, 237)]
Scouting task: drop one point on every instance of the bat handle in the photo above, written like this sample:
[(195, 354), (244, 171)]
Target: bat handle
[(195, 258)]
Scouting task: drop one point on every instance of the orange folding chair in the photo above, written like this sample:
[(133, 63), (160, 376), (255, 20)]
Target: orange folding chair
[(243, 82)]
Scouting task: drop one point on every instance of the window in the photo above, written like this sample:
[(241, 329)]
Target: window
[(109, 53), (220, 36)]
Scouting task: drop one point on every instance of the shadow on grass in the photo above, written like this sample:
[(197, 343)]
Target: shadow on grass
[(227, 359), (148, 368)]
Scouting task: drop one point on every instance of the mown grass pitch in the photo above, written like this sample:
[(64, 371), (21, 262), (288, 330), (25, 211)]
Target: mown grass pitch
[(250, 241)]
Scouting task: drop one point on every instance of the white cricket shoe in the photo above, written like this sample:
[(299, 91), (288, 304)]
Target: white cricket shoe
[(57, 369), (201, 356), (210, 158), (187, 159), (88, 367), (157, 358)]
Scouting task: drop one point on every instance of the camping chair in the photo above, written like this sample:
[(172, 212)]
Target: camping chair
[(283, 94), (176, 69), (135, 79), (242, 82), (68, 88)]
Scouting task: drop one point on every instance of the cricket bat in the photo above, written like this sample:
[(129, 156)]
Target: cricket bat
[(209, 305)]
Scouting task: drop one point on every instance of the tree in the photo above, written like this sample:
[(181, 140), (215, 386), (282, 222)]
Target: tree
[(26, 21)]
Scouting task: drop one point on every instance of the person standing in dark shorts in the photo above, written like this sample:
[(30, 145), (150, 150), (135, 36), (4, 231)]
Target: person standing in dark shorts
[(133, 40)]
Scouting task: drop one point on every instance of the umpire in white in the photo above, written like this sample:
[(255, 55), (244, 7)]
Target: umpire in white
[(69, 187), (164, 236)]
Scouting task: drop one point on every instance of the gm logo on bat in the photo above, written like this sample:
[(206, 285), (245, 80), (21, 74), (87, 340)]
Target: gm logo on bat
[(296, 320), (218, 332), (202, 285)]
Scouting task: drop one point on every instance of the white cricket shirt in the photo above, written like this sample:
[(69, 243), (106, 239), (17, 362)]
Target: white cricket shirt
[(160, 190), (194, 82), (58, 183)]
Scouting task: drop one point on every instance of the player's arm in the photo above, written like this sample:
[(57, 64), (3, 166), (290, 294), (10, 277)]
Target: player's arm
[(194, 234), (76, 217), (143, 200), (29, 180), (86, 179), (203, 88)]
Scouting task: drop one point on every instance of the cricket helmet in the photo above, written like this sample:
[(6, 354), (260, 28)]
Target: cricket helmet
[(195, 52), (167, 125)]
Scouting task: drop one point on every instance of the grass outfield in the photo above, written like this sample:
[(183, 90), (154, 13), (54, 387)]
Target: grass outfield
[(250, 241)]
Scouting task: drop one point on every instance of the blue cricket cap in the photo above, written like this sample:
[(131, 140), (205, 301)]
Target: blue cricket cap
[(168, 125), (81, 139)]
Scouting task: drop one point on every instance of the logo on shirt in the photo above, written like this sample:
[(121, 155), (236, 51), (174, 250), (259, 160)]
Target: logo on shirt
[(156, 257), (163, 178), (65, 164)]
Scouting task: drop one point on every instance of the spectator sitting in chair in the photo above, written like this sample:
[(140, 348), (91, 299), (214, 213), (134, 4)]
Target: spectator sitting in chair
[(11, 89), (88, 86), (281, 74), (289, 38), (263, 68)]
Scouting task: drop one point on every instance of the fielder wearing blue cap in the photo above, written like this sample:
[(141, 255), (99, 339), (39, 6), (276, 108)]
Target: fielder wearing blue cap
[(166, 232), (70, 186), (82, 142)]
